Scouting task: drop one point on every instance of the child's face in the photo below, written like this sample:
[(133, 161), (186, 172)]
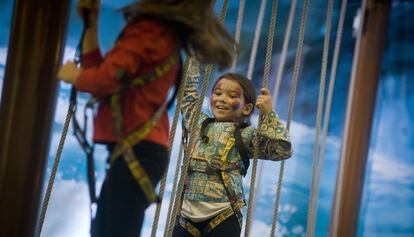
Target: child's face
[(227, 101)]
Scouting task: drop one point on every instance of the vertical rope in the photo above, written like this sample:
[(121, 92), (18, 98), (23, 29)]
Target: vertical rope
[(193, 127), (266, 73), (239, 23), (329, 100), (170, 145), (173, 193), (283, 54), (55, 167), (186, 160), (278, 80), (256, 39), (310, 228), (298, 60)]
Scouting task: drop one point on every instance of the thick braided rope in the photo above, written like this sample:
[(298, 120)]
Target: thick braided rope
[(174, 187), (180, 96), (186, 160), (329, 99), (310, 227), (193, 127), (298, 60), (55, 167), (266, 73), (283, 54), (256, 39), (280, 69), (240, 16)]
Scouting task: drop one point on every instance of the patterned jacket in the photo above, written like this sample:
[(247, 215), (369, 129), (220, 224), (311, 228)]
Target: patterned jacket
[(219, 153)]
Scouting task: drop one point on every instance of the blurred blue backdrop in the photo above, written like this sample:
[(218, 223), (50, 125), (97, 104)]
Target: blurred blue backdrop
[(388, 200)]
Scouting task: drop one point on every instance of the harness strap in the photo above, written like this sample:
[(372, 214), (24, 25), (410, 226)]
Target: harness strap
[(216, 221), (187, 225), (125, 144), (227, 184)]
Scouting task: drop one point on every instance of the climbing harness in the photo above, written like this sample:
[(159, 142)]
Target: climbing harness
[(125, 144), (222, 169)]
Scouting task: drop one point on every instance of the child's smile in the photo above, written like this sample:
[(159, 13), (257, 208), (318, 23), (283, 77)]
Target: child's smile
[(227, 101)]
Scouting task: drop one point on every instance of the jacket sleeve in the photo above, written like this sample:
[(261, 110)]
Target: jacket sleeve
[(272, 138), (143, 43), (190, 93)]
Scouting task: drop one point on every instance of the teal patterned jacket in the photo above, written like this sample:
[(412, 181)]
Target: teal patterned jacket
[(219, 153)]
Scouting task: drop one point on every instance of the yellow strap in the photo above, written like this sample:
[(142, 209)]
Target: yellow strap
[(137, 135), (229, 145), (219, 219), (189, 227), (159, 71), (138, 172)]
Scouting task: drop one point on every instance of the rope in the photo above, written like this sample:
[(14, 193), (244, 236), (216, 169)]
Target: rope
[(170, 145), (266, 73), (55, 168), (283, 54), (298, 60), (310, 228), (186, 160), (329, 101), (177, 171), (280, 69), (256, 39), (193, 127), (69, 114), (239, 23)]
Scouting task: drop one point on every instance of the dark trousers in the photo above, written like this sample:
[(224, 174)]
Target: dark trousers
[(122, 203), (228, 228)]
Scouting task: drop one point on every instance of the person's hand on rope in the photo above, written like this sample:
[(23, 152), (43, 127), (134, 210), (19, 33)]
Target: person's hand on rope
[(90, 9), (264, 101), (69, 72)]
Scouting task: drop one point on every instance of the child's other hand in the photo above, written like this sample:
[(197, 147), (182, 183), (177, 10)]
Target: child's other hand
[(92, 6), (264, 101), (68, 72)]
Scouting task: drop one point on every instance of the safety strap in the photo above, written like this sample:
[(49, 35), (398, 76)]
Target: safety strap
[(216, 221), (125, 144), (227, 184), (241, 148)]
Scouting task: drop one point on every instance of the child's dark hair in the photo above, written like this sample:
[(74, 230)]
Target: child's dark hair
[(249, 91)]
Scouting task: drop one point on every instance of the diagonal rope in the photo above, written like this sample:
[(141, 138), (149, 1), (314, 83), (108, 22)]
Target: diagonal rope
[(298, 60), (266, 73), (256, 39), (329, 101), (55, 167), (239, 23), (170, 145), (193, 127), (310, 227)]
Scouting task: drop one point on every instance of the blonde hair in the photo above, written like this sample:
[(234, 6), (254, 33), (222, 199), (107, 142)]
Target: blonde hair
[(195, 23)]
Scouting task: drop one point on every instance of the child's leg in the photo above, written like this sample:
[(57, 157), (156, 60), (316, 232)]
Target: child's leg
[(228, 228), (123, 201)]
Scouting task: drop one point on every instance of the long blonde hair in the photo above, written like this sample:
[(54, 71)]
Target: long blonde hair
[(195, 23)]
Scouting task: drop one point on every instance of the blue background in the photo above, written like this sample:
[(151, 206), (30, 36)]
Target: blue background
[(388, 197)]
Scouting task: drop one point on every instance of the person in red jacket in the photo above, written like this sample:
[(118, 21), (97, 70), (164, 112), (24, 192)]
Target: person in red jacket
[(132, 90)]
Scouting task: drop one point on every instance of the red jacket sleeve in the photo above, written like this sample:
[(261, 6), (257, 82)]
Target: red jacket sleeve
[(144, 43)]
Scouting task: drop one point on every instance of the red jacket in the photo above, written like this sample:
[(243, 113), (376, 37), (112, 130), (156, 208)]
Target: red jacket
[(142, 46)]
